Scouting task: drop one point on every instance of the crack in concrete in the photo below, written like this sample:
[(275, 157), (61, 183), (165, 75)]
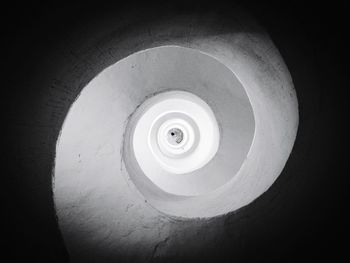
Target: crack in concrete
[(157, 246)]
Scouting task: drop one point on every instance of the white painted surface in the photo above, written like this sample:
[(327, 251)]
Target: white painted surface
[(169, 165), (94, 193), (174, 110)]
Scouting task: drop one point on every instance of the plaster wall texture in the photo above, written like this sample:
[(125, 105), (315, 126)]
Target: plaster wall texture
[(102, 214)]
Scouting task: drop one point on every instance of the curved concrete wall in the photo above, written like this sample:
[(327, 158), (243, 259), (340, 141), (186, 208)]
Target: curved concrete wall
[(110, 216), (106, 104), (53, 51)]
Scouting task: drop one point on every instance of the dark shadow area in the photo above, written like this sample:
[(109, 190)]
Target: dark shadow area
[(302, 216)]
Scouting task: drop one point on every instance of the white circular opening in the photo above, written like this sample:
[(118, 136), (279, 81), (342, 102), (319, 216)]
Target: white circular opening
[(189, 138), (176, 131)]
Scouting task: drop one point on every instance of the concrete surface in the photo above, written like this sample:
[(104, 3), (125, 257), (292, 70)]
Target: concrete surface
[(96, 200), (53, 51)]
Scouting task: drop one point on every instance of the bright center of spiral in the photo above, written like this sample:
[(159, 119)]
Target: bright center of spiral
[(176, 132)]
